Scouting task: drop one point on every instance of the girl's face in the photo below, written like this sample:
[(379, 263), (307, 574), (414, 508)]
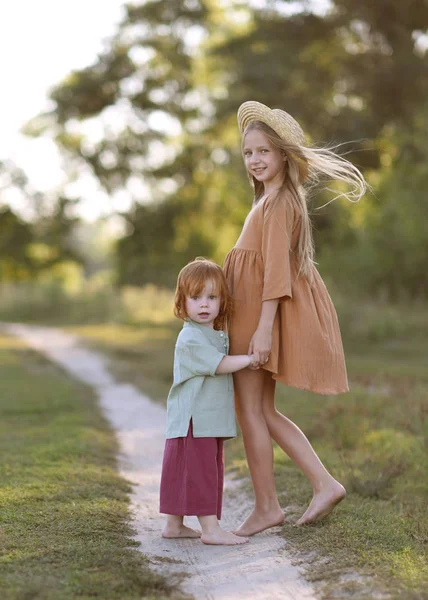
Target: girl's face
[(204, 307), (264, 161)]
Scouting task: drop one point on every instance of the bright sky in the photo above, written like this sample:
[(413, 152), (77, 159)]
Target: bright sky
[(40, 42)]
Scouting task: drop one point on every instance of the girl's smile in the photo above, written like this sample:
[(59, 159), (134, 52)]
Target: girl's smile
[(264, 161)]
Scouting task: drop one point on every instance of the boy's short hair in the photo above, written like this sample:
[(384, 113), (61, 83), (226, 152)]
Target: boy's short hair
[(192, 280)]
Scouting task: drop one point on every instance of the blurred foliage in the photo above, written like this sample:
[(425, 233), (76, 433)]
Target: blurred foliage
[(15, 242), (67, 296), (165, 93), (32, 246)]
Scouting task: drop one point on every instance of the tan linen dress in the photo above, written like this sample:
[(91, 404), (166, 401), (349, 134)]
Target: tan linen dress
[(307, 349)]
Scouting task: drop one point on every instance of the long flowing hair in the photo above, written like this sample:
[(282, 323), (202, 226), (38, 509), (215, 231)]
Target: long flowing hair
[(304, 170)]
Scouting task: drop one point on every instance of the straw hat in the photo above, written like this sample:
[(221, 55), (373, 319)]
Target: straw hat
[(280, 121)]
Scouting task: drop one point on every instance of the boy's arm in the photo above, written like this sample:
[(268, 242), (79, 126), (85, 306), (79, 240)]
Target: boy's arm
[(230, 364), (195, 357)]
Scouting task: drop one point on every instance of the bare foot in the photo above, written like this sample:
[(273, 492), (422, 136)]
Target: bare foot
[(257, 522), (220, 537), (182, 531), (322, 504)]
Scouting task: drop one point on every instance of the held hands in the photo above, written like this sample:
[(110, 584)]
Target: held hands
[(260, 347), (252, 361)]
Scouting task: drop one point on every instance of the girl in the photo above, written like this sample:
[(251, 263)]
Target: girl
[(283, 313), (200, 410)]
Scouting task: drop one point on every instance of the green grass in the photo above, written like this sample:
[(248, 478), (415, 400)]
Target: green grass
[(139, 354), (83, 302), (64, 521), (373, 439), (376, 444)]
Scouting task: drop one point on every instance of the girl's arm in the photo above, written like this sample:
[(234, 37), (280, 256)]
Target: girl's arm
[(230, 364), (261, 342), (278, 220)]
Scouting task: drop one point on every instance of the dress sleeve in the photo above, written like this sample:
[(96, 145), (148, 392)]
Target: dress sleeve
[(195, 358), (276, 241)]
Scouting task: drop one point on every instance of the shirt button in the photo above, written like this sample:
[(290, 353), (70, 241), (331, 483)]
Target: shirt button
[(222, 334)]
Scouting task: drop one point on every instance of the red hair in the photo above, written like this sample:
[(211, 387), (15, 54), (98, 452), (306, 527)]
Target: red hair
[(191, 281)]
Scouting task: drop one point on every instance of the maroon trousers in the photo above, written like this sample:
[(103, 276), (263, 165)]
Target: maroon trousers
[(192, 476)]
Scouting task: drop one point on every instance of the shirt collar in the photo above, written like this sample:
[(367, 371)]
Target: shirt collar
[(210, 333)]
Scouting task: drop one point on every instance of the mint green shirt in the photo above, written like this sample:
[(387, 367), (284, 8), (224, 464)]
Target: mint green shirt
[(197, 393)]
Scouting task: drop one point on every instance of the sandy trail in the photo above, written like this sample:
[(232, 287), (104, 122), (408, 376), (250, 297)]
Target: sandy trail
[(259, 570)]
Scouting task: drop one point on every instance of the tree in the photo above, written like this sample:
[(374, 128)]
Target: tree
[(15, 239), (345, 74), (165, 94), (38, 238)]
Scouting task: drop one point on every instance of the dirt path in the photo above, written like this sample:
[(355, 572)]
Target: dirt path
[(260, 570)]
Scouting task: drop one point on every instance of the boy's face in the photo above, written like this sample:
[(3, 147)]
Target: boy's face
[(204, 307)]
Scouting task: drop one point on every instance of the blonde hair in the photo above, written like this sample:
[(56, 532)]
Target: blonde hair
[(191, 281), (304, 169)]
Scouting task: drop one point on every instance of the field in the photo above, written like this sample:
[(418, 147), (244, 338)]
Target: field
[(373, 439)]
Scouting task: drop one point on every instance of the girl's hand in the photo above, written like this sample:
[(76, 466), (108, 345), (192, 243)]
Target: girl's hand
[(260, 346)]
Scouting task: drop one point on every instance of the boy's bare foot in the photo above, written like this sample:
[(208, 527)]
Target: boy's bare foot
[(220, 537), (322, 504), (257, 522), (181, 531)]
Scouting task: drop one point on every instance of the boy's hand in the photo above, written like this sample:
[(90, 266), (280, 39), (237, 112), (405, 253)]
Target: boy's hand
[(253, 361)]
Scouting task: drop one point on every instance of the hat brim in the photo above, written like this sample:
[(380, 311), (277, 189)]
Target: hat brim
[(280, 121)]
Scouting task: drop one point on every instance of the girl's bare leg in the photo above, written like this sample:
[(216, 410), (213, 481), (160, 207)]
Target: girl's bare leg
[(175, 528), (213, 534), (249, 392), (327, 491)]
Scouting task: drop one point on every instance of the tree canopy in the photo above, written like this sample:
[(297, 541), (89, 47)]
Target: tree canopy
[(165, 94)]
